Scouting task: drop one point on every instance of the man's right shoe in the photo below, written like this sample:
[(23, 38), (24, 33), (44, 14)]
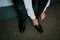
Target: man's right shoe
[(22, 26), (39, 28)]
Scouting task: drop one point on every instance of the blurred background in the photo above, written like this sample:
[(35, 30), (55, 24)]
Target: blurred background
[(51, 26)]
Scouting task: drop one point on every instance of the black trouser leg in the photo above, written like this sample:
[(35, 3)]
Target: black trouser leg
[(41, 6), (38, 9), (22, 16)]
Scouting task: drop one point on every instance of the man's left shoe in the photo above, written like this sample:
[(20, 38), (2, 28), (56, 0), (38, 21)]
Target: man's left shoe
[(22, 26)]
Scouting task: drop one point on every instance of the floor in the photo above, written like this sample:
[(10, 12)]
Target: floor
[(51, 26)]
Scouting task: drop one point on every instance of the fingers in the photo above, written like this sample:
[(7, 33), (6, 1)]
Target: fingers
[(43, 15), (35, 22)]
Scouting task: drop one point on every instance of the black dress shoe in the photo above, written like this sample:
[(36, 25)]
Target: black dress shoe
[(22, 26), (39, 28)]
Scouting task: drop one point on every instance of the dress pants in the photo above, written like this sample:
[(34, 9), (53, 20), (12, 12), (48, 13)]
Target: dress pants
[(38, 8)]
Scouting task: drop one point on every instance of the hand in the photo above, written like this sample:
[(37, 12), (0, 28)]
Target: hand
[(43, 15), (35, 22)]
